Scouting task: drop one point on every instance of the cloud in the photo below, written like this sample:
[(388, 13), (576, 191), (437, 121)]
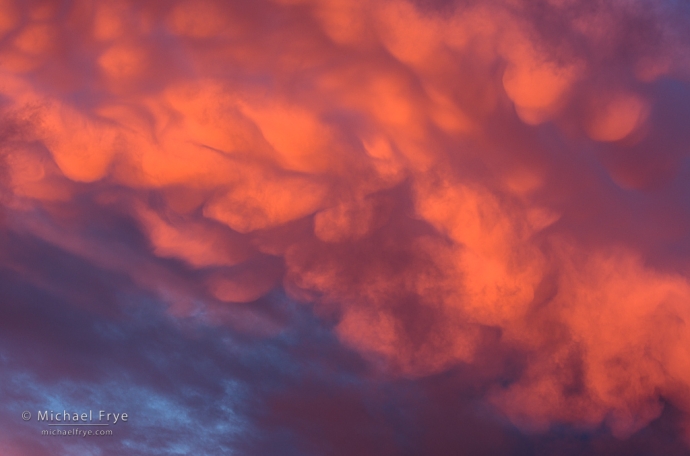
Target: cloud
[(434, 181)]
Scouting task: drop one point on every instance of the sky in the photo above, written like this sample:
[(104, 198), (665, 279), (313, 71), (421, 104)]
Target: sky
[(346, 227)]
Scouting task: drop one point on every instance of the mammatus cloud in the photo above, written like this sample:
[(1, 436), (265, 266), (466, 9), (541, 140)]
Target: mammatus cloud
[(438, 178)]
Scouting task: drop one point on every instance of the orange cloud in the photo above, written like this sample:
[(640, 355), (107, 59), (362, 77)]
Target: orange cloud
[(419, 174)]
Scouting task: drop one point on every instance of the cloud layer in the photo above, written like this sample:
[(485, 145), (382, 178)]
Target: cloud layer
[(483, 199)]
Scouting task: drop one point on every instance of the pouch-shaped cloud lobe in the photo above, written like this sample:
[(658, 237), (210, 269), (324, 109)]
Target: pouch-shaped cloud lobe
[(437, 182)]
